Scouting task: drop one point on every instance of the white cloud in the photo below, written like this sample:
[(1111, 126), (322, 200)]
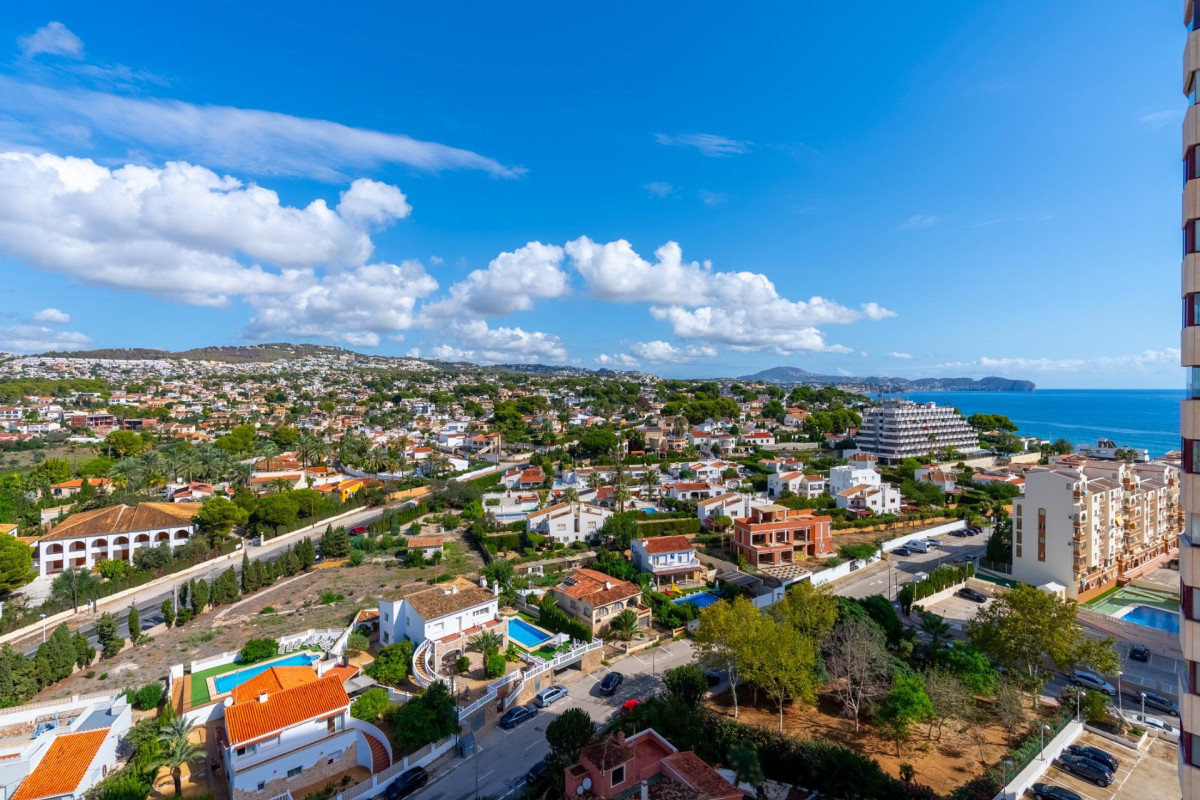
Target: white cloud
[(617, 360), (177, 232), (1147, 360), (479, 343), (712, 198), (53, 39), (39, 338), (710, 144), (917, 221), (52, 315), (354, 306), (246, 140), (899, 355), (658, 188), (510, 283), (660, 352), (1157, 119)]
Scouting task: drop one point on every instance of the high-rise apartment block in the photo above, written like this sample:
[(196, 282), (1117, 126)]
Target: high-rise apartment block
[(903, 429)]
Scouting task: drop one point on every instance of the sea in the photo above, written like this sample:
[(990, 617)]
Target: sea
[(1146, 418)]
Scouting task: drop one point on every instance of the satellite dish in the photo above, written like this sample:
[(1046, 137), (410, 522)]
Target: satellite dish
[(578, 790), (587, 783), (229, 701)]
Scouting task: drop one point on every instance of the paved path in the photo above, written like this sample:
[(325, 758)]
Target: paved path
[(505, 756)]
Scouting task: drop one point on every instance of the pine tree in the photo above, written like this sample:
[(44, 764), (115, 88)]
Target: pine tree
[(199, 597), (291, 563), (183, 594), (135, 624), (111, 641), (307, 552), (84, 652), (60, 653), (249, 585)]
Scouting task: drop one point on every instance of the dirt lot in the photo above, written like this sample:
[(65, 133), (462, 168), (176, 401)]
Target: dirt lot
[(323, 598), (23, 461), (941, 764), (1148, 774)]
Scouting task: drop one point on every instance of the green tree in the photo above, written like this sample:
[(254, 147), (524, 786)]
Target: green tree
[(725, 638), (168, 612), (783, 663), (135, 624), (59, 652), (16, 564), (811, 610), (250, 582), (686, 685), (306, 554), (619, 530), (123, 444), (199, 595), (74, 586), (335, 543), (486, 642), (178, 750), (393, 663), (567, 735), (218, 516), (107, 632), (936, 631), (744, 761), (370, 705), (970, 665), (623, 625), (1094, 707), (255, 650), (84, 652), (906, 704), (429, 717)]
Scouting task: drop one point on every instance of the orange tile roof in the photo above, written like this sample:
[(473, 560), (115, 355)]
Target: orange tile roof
[(667, 544), (63, 766), (343, 674), (251, 720), (124, 519), (273, 680)]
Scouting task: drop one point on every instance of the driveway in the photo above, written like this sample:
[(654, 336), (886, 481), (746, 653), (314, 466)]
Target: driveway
[(887, 576), (1147, 774)]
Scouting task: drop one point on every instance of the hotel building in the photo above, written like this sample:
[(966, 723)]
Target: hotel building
[(1189, 551), (904, 429)]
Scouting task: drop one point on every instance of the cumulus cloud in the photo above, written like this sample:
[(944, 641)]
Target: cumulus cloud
[(52, 315), (658, 188), (616, 360), (475, 341), (660, 352), (176, 232), (354, 306), (510, 283), (53, 39), (743, 310), (898, 355), (710, 144), (245, 140), (39, 338), (1146, 360)]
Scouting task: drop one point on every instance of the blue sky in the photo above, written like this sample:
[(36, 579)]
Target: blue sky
[(940, 189)]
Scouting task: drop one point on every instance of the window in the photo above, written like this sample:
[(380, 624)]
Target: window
[(1191, 455), (1018, 551), (334, 724), (1041, 534), (262, 785), (618, 776), (1191, 531), (295, 771), (1191, 241), (1190, 602), (249, 749), (1191, 164)]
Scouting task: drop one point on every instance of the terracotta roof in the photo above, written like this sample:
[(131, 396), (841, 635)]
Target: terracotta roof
[(588, 584), (667, 544), (691, 769), (670, 789), (124, 519), (342, 673), (426, 541), (275, 679), (63, 767), (439, 601), (77, 483), (251, 720)]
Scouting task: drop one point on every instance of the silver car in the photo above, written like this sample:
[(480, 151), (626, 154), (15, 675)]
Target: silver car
[(547, 696), (1090, 680)]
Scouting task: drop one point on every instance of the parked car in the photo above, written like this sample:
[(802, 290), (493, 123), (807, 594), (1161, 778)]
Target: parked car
[(611, 681), (713, 676), (902, 551), (517, 715), (975, 530), (1139, 652), (1085, 768), (917, 546), (535, 773), (1090, 680), (972, 594), (629, 705), (962, 533), (1095, 754), (1160, 703), (971, 557), (409, 781), (1048, 791), (1154, 723), (547, 696)]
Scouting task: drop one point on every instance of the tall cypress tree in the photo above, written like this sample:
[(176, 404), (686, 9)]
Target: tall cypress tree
[(135, 624)]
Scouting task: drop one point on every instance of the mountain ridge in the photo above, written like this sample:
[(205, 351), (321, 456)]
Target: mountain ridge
[(991, 383)]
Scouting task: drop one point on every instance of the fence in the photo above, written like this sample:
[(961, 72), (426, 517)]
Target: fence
[(560, 660), (1028, 772), (841, 570), (422, 758)]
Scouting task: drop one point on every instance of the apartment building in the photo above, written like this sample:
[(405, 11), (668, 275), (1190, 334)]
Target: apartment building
[(775, 536), (1083, 527), (1189, 551), (904, 429)]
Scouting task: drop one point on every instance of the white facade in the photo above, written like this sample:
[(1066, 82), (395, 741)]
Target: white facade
[(400, 619), (730, 504), (797, 483), (289, 753), (849, 476), (568, 522), (904, 429), (881, 499)]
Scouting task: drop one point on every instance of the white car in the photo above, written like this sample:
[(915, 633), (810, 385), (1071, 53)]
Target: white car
[(1154, 723)]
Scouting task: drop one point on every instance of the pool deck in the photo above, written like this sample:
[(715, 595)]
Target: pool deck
[(203, 683)]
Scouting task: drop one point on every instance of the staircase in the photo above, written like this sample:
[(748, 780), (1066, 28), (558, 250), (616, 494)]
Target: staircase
[(379, 755), (423, 670)]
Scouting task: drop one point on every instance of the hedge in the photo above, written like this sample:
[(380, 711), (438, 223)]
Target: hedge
[(665, 526), (502, 541), (941, 578), (484, 481)]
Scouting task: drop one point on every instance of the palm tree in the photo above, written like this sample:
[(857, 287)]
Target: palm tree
[(654, 482), (621, 496), (268, 450), (596, 481), (319, 451), (281, 484), (570, 495), (241, 472), (624, 625), (936, 629), (178, 750), (304, 448), (126, 473), (487, 642), (211, 460), (375, 461)]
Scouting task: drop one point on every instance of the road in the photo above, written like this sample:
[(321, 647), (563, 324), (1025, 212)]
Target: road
[(887, 576), (505, 756)]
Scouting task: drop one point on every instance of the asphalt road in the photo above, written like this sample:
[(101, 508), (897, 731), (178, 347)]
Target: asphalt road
[(885, 577), (505, 756)]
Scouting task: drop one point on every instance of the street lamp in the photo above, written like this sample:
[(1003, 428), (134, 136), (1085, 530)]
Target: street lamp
[(1005, 767), (43, 628), (1078, 694), (1120, 699), (1042, 752), (1143, 696)]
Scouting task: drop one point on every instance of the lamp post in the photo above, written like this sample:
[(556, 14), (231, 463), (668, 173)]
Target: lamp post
[(1042, 752), (1005, 767), (43, 628), (1120, 699), (1078, 694), (1143, 696)]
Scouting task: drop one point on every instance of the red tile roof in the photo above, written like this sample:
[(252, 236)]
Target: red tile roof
[(667, 544), (63, 767), (275, 679), (252, 720)]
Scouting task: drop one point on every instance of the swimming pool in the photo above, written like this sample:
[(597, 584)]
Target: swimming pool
[(1153, 618), (526, 635), (699, 599), (227, 682)]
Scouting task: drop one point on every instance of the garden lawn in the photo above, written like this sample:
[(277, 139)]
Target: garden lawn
[(200, 694)]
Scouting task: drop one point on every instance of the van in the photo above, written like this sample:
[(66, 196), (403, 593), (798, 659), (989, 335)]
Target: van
[(918, 546), (547, 696)]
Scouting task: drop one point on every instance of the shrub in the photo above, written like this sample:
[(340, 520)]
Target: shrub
[(857, 552), (462, 664), (148, 696), (370, 705), (357, 557), (258, 650), (267, 610), (358, 642), (494, 667)]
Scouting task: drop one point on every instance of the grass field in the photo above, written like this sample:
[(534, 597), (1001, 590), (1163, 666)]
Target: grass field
[(200, 694)]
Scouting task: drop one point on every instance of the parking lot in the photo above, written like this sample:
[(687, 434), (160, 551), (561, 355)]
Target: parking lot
[(1147, 774), (957, 611)]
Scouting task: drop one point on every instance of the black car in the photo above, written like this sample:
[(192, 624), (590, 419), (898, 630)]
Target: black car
[(1095, 754), (611, 681), (1085, 768), (536, 772), (1160, 703), (516, 716), (713, 676), (902, 551), (971, 594), (961, 534), (1047, 791), (408, 782), (1139, 652)]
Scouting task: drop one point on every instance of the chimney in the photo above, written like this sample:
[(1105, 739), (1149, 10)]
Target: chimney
[(482, 582), (262, 698), (608, 584), (645, 789), (454, 588), (496, 588)]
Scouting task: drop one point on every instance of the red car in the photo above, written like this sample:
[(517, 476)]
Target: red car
[(629, 705)]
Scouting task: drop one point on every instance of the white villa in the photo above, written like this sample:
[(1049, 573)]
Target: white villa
[(797, 483), (114, 533), (668, 559), (568, 522)]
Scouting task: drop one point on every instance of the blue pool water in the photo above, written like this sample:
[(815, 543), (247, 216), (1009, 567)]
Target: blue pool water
[(526, 635), (1153, 617), (226, 683), (699, 599)]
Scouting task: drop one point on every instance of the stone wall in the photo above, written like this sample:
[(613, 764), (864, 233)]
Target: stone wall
[(312, 775)]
